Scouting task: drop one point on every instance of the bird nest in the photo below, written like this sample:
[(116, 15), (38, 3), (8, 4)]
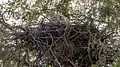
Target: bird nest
[(65, 45)]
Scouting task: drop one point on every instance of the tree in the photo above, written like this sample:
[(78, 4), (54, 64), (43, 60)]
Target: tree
[(25, 24)]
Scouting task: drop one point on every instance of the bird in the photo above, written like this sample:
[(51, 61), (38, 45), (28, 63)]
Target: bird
[(58, 20), (55, 20)]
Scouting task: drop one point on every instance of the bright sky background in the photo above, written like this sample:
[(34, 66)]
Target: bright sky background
[(11, 20), (3, 1)]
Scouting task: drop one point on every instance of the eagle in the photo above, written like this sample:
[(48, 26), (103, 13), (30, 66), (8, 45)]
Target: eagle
[(58, 20)]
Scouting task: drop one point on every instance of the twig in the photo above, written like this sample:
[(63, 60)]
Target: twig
[(70, 62), (55, 58)]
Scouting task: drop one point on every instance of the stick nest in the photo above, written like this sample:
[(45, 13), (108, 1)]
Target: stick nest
[(66, 45)]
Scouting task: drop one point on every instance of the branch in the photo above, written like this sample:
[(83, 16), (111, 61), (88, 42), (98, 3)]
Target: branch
[(2, 21), (55, 58)]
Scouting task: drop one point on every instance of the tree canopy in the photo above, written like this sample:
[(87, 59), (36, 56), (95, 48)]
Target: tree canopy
[(88, 33)]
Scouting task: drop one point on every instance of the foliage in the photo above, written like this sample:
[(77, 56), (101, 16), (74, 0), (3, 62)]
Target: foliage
[(117, 64), (19, 16)]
